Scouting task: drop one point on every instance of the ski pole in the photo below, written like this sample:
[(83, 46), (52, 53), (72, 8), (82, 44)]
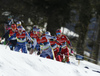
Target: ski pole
[(7, 45)]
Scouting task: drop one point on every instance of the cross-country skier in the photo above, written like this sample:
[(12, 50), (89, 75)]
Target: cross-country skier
[(22, 37), (32, 34), (8, 34), (19, 23), (63, 39), (45, 48), (54, 44)]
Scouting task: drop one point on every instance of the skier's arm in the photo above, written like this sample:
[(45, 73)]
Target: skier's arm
[(6, 34), (51, 37), (68, 41), (34, 44), (14, 35), (57, 42), (27, 35), (11, 22), (30, 36)]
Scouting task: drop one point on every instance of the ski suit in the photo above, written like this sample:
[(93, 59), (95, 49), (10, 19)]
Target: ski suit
[(45, 46), (54, 44), (63, 39), (13, 41), (32, 35), (21, 41)]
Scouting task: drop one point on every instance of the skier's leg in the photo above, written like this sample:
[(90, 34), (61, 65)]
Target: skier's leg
[(61, 56), (49, 51), (24, 48), (17, 48), (58, 58), (66, 52), (12, 44), (11, 47), (43, 54)]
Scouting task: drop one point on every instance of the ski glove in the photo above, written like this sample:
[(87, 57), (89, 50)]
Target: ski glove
[(59, 50), (32, 47), (59, 53), (8, 39)]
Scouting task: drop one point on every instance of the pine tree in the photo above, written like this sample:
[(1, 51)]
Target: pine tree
[(84, 19)]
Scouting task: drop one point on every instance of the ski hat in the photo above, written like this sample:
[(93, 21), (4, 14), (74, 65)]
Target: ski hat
[(13, 26), (58, 32), (19, 28), (19, 23), (39, 30), (35, 28), (47, 33)]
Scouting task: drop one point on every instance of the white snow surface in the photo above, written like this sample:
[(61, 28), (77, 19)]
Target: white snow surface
[(19, 64)]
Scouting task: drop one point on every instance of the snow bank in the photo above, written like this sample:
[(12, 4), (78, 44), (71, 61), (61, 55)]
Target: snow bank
[(19, 64)]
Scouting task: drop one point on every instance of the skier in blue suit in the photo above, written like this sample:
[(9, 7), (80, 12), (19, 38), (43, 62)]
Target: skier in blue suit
[(22, 37)]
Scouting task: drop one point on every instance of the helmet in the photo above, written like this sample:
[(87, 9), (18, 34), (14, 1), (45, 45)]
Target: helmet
[(13, 26), (19, 28), (35, 28), (47, 33), (58, 31), (19, 23)]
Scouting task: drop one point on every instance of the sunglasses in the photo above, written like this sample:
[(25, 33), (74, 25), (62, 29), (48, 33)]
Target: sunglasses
[(58, 33), (19, 28)]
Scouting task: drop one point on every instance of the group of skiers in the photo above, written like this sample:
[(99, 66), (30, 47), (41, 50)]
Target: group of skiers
[(47, 46)]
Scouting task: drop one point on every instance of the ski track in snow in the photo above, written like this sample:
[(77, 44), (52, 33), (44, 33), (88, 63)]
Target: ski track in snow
[(19, 64)]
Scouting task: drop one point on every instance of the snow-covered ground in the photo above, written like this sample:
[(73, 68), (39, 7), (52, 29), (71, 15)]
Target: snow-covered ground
[(19, 64)]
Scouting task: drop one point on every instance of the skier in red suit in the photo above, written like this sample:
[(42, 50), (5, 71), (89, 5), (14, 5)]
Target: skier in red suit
[(63, 39)]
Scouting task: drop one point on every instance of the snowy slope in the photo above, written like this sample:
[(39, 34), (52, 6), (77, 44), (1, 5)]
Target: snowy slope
[(18, 64)]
